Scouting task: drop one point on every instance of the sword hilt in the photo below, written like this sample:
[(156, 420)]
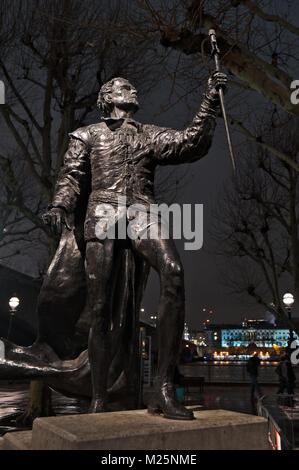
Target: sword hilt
[(214, 45)]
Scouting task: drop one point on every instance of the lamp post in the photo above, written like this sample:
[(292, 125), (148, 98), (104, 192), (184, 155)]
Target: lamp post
[(288, 300), (13, 303), (142, 334)]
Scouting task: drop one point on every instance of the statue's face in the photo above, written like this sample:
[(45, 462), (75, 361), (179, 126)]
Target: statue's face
[(124, 95)]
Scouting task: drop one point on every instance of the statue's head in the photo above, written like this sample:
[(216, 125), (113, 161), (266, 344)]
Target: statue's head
[(119, 93)]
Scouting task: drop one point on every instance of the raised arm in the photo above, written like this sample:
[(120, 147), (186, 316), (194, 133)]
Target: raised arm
[(69, 183), (171, 147)]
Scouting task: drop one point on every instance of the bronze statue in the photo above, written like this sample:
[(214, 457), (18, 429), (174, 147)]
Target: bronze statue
[(104, 161)]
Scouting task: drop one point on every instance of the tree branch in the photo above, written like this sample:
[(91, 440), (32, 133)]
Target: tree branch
[(246, 65), (258, 140), (269, 17), (25, 124), (19, 140), (19, 97)]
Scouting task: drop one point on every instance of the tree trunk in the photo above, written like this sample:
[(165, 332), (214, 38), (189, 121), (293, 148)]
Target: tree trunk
[(39, 404)]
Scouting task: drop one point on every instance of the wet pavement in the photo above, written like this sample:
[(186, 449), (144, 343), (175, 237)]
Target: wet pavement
[(14, 397), (233, 398)]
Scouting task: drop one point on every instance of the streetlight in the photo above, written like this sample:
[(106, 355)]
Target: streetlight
[(288, 300), (13, 303), (142, 334)]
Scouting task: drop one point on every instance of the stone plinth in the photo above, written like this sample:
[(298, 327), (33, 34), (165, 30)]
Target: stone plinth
[(135, 430), (19, 440)]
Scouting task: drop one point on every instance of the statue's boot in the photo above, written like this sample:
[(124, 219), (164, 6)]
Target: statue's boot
[(99, 351), (164, 401), (170, 330)]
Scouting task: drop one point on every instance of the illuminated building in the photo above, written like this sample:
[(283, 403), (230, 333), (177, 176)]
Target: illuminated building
[(258, 332)]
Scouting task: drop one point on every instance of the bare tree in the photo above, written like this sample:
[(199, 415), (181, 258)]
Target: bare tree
[(258, 51), (257, 222)]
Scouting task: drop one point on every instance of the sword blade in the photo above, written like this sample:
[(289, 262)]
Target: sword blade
[(229, 141)]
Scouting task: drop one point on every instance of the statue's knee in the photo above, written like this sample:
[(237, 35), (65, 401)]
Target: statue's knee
[(174, 274), (174, 269), (178, 270)]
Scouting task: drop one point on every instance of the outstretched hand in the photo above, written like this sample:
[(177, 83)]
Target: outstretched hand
[(216, 81), (56, 218)]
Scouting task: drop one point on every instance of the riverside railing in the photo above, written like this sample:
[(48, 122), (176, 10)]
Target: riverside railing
[(224, 372), (282, 412)]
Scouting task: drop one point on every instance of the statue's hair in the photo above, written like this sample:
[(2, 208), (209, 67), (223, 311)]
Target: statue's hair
[(103, 104)]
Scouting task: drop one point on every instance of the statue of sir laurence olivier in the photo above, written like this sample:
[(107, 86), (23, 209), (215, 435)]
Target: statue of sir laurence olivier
[(123, 155)]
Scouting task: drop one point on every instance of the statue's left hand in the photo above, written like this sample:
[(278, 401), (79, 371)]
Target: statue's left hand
[(56, 218), (216, 81)]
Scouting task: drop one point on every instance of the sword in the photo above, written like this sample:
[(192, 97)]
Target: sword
[(216, 54)]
